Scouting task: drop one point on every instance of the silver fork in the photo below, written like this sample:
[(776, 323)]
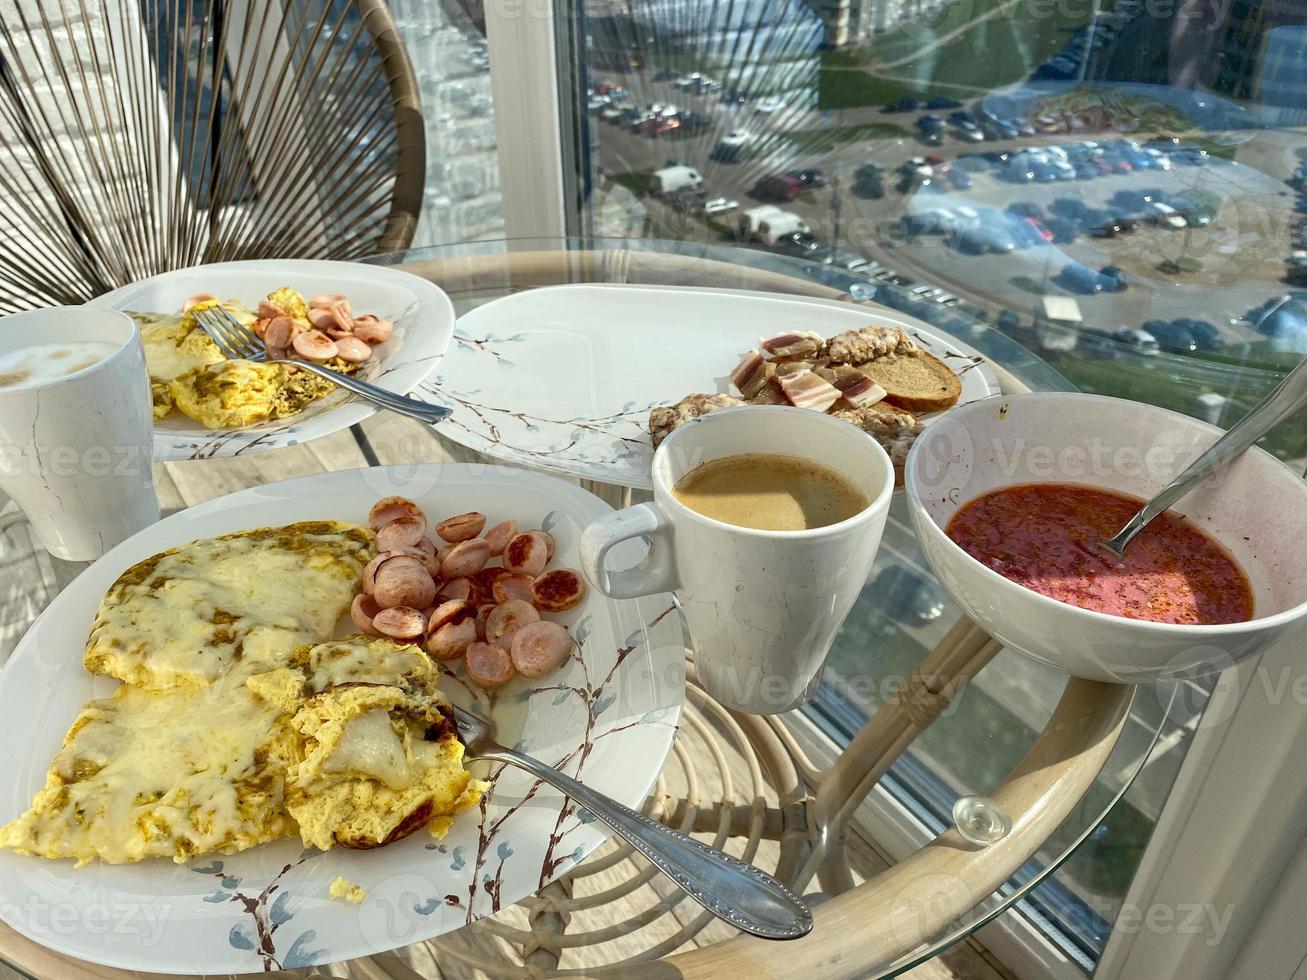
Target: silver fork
[(238, 342), (739, 893)]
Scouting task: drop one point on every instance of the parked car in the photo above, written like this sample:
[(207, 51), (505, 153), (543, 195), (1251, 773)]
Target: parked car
[(1173, 336), (1026, 209), (905, 104), (1112, 227), (778, 187), (943, 102), (1116, 278), (868, 183), (808, 176), (1064, 230), (798, 244), (1164, 215), (842, 258), (930, 124), (1077, 278), (1206, 335), (1071, 208), (768, 105), (1140, 341), (1095, 343), (960, 179), (675, 178)]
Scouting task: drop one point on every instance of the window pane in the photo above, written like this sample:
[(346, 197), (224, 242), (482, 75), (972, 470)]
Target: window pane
[(1121, 189), (446, 43)]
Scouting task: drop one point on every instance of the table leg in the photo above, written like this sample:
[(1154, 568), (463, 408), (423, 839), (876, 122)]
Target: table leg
[(926, 692)]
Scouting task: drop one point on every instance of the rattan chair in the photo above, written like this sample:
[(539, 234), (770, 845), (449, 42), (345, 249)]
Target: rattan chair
[(139, 136)]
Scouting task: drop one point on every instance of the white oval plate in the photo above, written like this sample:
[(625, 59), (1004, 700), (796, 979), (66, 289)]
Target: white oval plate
[(608, 717), (564, 377), (424, 323)]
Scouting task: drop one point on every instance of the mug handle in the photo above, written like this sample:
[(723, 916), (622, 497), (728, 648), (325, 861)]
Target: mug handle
[(653, 575)]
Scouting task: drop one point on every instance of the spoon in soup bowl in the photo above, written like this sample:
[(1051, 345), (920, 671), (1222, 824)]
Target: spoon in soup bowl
[(1287, 397)]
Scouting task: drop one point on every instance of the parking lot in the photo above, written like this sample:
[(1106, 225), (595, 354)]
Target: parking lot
[(1216, 273)]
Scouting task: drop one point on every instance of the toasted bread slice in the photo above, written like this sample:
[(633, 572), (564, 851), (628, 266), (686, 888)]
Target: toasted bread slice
[(919, 382)]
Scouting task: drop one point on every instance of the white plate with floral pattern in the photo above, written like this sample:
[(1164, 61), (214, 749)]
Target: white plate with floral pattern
[(564, 377), (607, 716), (424, 323)]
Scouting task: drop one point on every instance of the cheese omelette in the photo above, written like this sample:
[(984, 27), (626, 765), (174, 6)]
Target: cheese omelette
[(189, 374), (190, 614), (238, 721), (351, 745)]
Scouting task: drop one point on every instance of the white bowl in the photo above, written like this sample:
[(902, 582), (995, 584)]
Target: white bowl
[(1257, 509)]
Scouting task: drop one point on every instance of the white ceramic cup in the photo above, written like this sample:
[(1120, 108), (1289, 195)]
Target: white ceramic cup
[(763, 606), (75, 451)]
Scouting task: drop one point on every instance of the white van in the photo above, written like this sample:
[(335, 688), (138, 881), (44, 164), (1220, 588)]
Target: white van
[(773, 228), (750, 219), (677, 178)]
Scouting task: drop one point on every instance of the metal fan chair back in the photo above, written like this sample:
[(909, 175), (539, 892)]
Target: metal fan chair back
[(139, 136)]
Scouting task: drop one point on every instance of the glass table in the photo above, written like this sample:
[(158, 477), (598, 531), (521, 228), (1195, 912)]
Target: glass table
[(764, 788)]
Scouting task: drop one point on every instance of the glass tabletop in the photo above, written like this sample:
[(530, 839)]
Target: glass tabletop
[(901, 614)]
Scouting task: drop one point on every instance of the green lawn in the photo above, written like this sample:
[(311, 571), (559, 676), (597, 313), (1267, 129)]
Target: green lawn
[(994, 52), (1166, 382)]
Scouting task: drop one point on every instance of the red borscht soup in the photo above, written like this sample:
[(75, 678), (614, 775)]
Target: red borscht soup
[(1045, 536)]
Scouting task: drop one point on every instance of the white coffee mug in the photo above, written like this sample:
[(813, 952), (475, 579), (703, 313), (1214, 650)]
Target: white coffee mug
[(75, 450), (763, 607)]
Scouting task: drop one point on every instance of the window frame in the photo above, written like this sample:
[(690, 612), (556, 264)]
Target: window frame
[(1196, 852)]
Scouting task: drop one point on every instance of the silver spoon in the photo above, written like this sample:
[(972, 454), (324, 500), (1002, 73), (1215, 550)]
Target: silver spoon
[(1288, 396), (739, 893)]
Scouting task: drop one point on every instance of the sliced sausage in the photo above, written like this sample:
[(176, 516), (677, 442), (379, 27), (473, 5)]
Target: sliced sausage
[(513, 586), (489, 666), (451, 628), (400, 623), (506, 619), (483, 614), (428, 550), (483, 583), (558, 590), (352, 349), (279, 332), (550, 544), (325, 300), (372, 330), (403, 584), (465, 558), (540, 647), (388, 509), (313, 345), (322, 319), (402, 532), (527, 553), (341, 311), (461, 527), (499, 536), (456, 588), (363, 608), (371, 568)]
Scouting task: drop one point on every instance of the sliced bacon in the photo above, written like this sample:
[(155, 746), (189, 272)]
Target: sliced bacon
[(751, 374), (858, 389), (800, 343), (806, 390)]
